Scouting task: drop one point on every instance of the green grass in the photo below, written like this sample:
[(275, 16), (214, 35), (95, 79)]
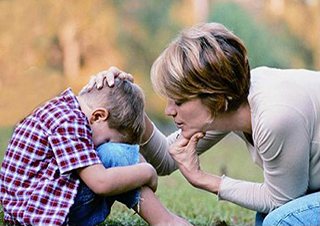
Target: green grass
[(200, 207), (5, 135)]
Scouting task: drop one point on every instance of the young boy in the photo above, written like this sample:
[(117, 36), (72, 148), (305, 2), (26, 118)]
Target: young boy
[(52, 175)]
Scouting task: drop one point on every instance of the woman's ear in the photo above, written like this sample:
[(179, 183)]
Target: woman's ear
[(99, 115)]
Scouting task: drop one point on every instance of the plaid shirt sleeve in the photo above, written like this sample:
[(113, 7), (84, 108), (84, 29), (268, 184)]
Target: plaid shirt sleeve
[(73, 147)]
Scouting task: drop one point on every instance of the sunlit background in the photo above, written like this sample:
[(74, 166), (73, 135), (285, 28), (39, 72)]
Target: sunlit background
[(49, 45)]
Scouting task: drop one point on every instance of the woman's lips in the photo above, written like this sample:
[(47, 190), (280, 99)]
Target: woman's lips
[(179, 125)]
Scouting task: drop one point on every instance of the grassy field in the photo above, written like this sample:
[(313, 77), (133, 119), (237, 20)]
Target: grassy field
[(200, 207)]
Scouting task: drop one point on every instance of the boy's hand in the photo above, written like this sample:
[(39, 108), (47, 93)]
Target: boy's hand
[(153, 181), (109, 75), (153, 178)]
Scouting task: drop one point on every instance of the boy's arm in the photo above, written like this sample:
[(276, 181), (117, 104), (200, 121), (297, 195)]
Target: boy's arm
[(117, 180)]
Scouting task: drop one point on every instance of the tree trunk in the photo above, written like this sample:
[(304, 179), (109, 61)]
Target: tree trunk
[(201, 10), (71, 50)]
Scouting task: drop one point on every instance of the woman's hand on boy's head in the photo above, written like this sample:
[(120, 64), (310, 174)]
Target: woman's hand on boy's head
[(109, 75)]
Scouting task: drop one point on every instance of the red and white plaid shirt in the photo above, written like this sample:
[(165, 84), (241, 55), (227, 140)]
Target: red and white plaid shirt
[(38, 182)]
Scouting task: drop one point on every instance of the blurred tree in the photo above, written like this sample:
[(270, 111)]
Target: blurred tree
[(71, 50), (299, 16), (201, 8), (34, 30), (41, 41), (145, 28), (44, 42), (265, 47), (34, 53)]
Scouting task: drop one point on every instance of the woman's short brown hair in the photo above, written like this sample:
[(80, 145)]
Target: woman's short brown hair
[(206, 61)]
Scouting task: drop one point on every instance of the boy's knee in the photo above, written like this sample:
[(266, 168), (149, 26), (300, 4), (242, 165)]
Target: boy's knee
[(118, 154)]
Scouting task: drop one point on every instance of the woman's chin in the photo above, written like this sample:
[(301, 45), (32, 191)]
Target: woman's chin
[(188, 134)]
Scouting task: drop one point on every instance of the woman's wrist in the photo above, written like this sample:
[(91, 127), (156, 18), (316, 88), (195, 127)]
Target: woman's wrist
[(207, 182)]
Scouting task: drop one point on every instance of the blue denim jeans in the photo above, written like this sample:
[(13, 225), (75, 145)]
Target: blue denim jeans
[(302, 211), (91, 209)]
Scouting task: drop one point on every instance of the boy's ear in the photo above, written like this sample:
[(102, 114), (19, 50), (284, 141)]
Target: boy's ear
[(98, 115)]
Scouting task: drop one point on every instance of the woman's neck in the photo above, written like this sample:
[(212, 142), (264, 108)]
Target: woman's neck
[(239, 120)]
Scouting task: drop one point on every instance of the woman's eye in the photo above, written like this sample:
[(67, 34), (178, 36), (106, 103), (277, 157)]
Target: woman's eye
[(178, 103)]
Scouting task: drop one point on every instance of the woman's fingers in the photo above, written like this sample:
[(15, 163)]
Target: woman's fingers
[(90, 85), (108, 75), (184, 153), (126, 76), (181, 141), (95, 80), (111, 74), (114, 72), (194, 140), (100, 77)]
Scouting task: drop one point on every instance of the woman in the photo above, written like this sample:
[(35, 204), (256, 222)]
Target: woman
[(210, 90)]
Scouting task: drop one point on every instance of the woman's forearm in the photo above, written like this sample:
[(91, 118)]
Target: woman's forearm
[(207, 182), (154, 148), (254, 196)]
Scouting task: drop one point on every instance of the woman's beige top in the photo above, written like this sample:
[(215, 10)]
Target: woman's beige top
[(285, 114)]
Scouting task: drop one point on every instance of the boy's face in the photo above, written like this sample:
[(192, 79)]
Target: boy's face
[(101, 133)]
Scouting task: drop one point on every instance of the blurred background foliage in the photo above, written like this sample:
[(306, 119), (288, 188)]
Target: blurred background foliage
[(46, 46), (49, 45)]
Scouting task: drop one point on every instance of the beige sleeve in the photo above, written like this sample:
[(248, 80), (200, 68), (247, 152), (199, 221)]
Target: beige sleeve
[(155, 149), (283, 144)]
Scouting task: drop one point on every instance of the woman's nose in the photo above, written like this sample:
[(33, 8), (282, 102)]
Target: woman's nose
[(170, 110)]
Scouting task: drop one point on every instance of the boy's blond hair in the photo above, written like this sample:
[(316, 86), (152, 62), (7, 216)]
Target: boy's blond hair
[(125, 104)]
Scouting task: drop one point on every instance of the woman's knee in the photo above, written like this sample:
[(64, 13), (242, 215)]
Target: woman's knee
[(302, 211)]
